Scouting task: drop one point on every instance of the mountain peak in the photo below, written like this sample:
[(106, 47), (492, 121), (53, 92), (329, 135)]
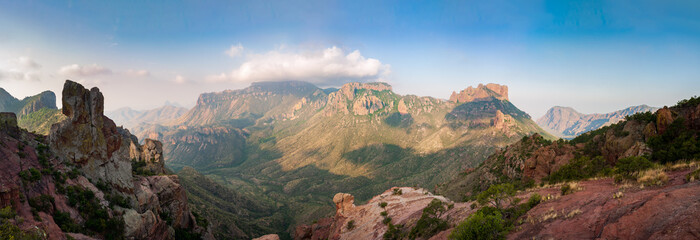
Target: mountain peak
[(480, 93)]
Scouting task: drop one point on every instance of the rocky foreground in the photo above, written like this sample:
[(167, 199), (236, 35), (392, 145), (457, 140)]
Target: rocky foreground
[(88, 179), (597, 209)]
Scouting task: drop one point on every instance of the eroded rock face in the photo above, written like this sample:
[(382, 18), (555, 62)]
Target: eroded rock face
[(343, 203), (367, 105), (338, 101), (664, 118), (481, 92), (90, 139)]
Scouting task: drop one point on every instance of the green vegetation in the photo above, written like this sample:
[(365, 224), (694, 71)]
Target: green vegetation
[(430, 222), (140, 168), (480, 226), (397, 191), (394, 232), (382, 204), (97, 219), (351, 225), (7, 212), (495, 222), (676, 143), (628, 168), (693, 176), (42, 203), (40, 121), (691, 102), (580, 168), (184, 234), (11, 231)]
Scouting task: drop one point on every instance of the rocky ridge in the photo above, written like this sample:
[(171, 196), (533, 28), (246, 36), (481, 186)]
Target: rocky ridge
[(98, 156)]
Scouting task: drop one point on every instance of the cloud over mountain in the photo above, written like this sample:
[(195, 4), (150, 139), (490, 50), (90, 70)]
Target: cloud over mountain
[(76, 70), (325, 66)]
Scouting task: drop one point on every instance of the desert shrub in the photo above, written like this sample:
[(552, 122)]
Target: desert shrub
[(351, 224), (7, 212), (579, 169), (430, 222), (654, 177), (384, 214), (566, 189), (397, 191), (627, 168), (11, 231), (66, 223), (382, 204), (642, 117), (480, 226), (394, 232), (201, 220), (118, 200), (73, 173), (139, 168), (534, 200), (103, 186), (691, 102), (387, 220), (497, 195), (42, 203), (692, 176)]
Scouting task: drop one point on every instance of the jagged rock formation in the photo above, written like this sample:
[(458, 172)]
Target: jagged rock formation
[(568, 123), (96, 155), (480, 93)]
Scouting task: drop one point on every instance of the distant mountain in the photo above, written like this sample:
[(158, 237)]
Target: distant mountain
[(35, 113), (130, 118), (296, 145), (566, 122)]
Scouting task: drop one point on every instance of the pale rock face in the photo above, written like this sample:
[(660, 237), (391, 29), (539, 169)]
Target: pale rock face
[(367, 105), (344, 203), (145, 226), (402, 108), (338, 101), (480, 93), (268, 237)]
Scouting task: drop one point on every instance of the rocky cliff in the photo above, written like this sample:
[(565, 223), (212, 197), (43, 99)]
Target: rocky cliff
[(568, 123), (89, 178), (481, 92), (35, 113)]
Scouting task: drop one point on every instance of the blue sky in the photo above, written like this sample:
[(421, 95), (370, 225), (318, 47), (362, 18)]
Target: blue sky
[(595, 56)]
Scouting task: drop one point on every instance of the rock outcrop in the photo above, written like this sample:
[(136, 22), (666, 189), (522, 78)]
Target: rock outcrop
[(88, 156), (480, 93), (403, 209)]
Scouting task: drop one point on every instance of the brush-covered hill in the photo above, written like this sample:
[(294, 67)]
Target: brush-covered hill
[(131, 119), (567, 123), (35, 113), (298, 144)]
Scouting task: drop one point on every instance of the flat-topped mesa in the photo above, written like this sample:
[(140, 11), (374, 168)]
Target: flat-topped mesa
[(480, 93)]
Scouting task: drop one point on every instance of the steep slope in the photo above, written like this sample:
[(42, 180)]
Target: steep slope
[(568, 123), (88, 178), (35, 113), (296, 144)]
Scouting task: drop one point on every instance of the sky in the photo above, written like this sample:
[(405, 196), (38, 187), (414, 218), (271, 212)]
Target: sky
[(594, 56)]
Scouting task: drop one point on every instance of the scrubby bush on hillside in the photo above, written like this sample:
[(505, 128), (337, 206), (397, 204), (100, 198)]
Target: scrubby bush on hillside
[(676, 143), (578, 169), (627, 168), (480, 226), (430, 222)]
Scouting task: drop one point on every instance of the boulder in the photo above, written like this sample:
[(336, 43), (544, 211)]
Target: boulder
[(344, 202)]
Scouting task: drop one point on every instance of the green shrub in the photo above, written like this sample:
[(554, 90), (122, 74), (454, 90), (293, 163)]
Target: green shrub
[(384, 214), (397, 191), (11, 231), (351, 224), (676, 143), (184, 234), (497, 195), (643, 117), (627, 168), (394, 232), (7, 212), (566, 189), (579, 169), (692, 176), (382, 204), (66, 223), (42, 203), (534, 199), (118, 200), (387, 220), (480, 226), (691, 102), (73, 174), (430, 222)]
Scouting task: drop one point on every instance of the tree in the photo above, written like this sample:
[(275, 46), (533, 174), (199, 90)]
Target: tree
[(499, 195)]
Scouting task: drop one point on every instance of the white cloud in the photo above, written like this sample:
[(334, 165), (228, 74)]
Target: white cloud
[(327, 66), (20, 69), (138, 73), (18, 75), (179, 79), (235, 50), (76, 70), (28, 63)]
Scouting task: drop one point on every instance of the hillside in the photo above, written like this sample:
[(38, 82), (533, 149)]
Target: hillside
[(637, 179), (35, 113), (88, 179), (296, 144), (567, 123)]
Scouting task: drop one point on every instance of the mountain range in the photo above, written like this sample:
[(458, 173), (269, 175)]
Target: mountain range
[(35, 113), (567, 123)]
